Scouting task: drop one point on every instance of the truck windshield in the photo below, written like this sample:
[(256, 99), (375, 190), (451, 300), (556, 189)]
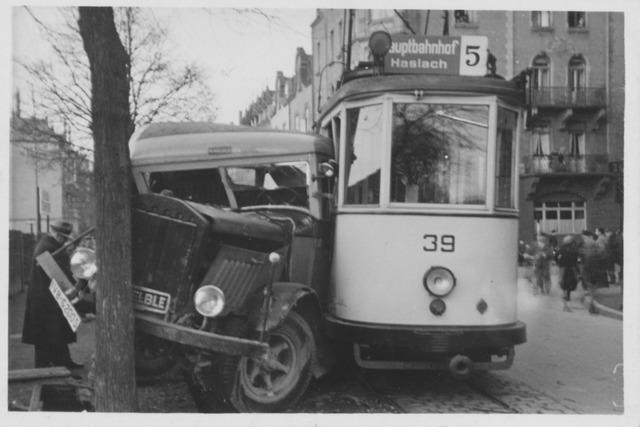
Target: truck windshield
[(439, 153), (270, 184), (283, 183)]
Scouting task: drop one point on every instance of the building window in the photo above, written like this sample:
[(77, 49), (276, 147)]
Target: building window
[(464, 16), (577, 144), (317, 58), (540, 75), (577, 19), (577, 68), (332, 41), (562, 216), (541, 19), (541, 141), (382, 14), (340, 39)]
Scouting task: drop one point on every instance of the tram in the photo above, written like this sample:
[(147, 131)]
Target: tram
[(426, 221)]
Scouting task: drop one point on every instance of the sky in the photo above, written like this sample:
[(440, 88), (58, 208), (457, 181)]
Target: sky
[(240, 51)]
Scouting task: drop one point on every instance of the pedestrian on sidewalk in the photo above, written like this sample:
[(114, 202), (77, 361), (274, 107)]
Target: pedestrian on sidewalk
[(541, 262), (568, 263), (44, 324)]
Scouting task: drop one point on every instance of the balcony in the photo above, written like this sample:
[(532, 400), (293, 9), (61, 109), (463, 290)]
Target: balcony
[(564, 97), (564, 164)]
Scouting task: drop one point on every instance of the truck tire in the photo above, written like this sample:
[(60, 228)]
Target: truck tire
[(274, 384)]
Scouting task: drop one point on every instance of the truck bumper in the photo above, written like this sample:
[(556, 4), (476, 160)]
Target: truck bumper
[(200, 339)]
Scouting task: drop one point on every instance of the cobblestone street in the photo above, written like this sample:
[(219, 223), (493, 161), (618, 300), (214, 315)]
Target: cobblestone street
[(560, 370)]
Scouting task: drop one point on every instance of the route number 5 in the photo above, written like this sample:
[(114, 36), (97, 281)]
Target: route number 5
[(473, 58)]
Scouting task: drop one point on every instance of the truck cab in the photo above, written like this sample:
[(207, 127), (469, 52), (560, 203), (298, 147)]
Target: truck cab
[(232, 242)]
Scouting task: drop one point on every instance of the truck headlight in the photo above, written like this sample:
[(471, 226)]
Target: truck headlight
[(83, 263), (439, 281), (209, 301)]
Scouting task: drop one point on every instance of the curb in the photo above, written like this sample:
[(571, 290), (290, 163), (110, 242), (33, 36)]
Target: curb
[(595, 307)]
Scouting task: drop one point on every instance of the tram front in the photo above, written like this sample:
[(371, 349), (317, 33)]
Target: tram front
[(425, 258)]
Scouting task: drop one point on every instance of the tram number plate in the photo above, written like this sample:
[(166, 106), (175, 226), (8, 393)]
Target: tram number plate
[(150, 299), (443, 243)]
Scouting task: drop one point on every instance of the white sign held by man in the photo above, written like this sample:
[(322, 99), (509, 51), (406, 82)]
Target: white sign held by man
[(69, 311)]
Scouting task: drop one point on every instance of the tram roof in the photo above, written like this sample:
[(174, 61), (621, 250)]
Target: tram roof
[(429, 84), (194, 141)]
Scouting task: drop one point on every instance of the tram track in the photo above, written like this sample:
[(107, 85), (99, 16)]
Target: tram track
[(438, 392)]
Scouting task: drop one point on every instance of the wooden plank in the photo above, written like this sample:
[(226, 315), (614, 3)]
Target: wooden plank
[(53, 270), (36, 400), (38, 373)]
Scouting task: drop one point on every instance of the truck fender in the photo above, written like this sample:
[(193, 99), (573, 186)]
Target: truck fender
[(285, 297)]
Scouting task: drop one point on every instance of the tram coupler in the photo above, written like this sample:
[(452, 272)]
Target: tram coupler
[(460, 366)]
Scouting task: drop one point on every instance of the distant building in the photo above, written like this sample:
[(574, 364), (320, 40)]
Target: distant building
[(571, 150), (289, 105), (50, 180)]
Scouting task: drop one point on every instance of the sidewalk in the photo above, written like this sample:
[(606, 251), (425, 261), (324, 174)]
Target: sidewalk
[(603, 301)]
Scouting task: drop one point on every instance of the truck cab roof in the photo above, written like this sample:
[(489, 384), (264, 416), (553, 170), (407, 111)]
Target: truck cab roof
[(160, 143)]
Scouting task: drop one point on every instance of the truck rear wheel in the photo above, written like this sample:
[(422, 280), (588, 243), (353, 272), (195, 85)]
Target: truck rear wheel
[(275, 382)]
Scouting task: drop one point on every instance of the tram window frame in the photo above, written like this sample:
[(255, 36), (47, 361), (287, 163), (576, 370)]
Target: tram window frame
[(484, 190), (515, 142)]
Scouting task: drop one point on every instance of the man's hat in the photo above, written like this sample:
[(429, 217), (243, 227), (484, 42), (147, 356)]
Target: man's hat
[(62, 227)]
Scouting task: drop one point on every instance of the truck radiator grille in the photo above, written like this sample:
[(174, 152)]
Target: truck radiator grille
[(166, 240), (239, 273)]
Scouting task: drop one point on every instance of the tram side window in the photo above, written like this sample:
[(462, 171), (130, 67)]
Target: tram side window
[(506, 136), (439, 153), (363, 155)]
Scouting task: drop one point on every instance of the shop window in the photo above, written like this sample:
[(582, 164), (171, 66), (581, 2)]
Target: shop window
[(577, 19), (564, 217), (541, 19)]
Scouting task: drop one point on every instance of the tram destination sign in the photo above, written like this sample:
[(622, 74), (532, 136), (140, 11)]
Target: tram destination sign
[(464, 55)]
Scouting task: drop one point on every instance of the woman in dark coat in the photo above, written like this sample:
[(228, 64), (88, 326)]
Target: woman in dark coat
[(568, 261), (44, 324)]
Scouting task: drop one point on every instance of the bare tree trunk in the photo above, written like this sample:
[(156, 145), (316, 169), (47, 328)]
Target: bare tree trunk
[(111, 126)]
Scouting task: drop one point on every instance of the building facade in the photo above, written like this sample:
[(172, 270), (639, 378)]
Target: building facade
[(289, 105), (50, 180), (572, 144)]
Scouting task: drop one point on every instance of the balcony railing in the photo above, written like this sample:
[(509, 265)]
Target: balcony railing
[(566, 97), (556, 163)]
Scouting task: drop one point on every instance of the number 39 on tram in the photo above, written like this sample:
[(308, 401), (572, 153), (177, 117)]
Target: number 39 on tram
[(424, 266)]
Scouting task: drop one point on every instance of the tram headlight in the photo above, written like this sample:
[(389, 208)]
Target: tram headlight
[(439, 281), (209, 301)]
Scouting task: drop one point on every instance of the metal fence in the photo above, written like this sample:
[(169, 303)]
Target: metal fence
[(21, 247)]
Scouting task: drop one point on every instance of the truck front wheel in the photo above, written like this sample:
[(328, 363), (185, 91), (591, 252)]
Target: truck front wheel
[(277, 381)]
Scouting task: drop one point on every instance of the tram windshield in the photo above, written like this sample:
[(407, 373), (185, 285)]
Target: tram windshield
[(439, 153)]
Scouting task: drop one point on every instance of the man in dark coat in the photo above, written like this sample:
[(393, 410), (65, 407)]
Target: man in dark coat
[(568, 263), (44, 324)]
